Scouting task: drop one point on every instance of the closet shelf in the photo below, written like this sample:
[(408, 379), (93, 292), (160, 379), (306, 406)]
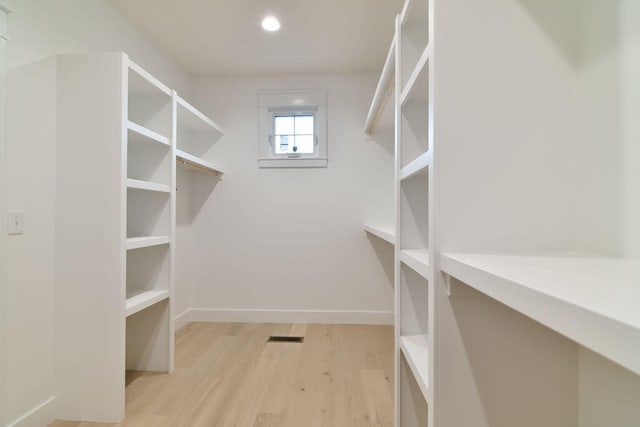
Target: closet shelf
[(593, 301), (417, 85), (193, 162), (144, 134), (143, 300), (384, 232), (145, 242), (416, 351), (147, 84), (150, 186), (417, 260), (195, 121), (416, 166), (383, 92)]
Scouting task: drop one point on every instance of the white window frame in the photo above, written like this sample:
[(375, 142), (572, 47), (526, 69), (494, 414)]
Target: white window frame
[(271, 104)]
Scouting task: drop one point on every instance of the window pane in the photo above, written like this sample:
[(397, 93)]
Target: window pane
[(284, 125), (305, 144), (304, 125), (282, 144)]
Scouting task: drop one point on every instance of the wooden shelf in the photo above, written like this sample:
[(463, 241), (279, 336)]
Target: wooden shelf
[(143, 300), (415, 349), (384, 232), (193, 162), (145, 242), (384, 90), (194, 120), (141, 133), (416, 87), (149, 186), (593, 301), (417, 166), (417, 260)]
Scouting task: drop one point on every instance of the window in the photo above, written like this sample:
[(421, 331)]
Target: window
[(293, 129)]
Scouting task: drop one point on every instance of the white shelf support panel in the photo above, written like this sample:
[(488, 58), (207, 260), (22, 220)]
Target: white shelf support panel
[(383, 92), (415, 349), (593, 301), (149, 186), (417, 166), (417, 260), (145, 242), (147, 134), (143, 300), (193, 162), (384, 232)]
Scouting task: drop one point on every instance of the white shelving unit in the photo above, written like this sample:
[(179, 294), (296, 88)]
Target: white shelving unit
[(115, 218), (414, 294)]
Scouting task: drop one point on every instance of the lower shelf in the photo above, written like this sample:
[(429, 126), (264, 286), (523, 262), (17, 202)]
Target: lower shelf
[(592, 301), (416, 351), (143, 300)]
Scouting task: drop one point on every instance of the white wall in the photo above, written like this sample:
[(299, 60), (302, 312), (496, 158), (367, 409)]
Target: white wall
[(291, 239), (608, 108), (40, 29)]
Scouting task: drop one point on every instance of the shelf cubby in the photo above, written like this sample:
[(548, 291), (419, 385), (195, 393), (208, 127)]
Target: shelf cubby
[(414, 118), (148, 213), (148, 341), (147, 277), (147, 159), (414, 299), (412, 405), (414, 212), (414, 36), (196, 133), (149, 101)]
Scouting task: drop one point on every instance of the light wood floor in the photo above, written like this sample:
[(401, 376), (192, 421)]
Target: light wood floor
[(228, 375)]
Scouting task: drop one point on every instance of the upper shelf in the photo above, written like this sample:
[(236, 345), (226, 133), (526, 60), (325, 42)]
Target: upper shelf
[(193, 120), (193, 162), (142, 82), (417, 85), (383, 92), (593, 301), (141, 133), (385, 232)]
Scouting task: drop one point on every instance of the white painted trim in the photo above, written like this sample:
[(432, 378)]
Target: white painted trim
[(292, 163), (39, 416), (183, 319), (290, 316)]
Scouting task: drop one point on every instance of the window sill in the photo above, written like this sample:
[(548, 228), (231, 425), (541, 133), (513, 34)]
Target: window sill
[(293, 163)]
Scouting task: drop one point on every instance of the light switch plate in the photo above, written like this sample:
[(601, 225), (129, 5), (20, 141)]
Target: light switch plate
[(15, 222)]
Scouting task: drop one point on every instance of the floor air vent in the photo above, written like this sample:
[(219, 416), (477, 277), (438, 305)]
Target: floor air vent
[(285, 339)]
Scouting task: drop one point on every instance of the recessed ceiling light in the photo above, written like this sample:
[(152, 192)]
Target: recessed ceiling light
[(270, 23)]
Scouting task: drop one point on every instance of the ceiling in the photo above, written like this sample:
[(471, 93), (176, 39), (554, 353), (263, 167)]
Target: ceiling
[(224, 37)]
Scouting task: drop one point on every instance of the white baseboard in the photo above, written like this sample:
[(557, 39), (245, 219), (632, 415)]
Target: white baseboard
[(183, 319), (41, 415), (288, 316)]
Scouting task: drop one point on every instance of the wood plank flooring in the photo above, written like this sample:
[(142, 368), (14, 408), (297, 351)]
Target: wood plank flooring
[(228, 375)]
